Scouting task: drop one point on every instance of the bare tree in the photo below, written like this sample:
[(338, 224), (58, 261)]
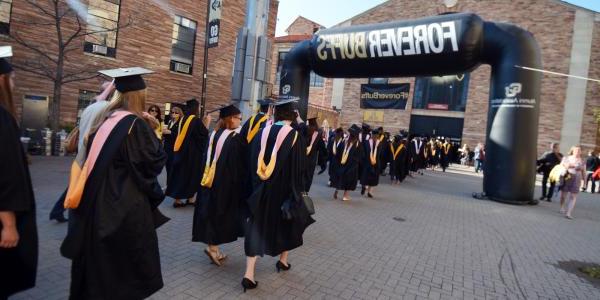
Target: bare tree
[(50, 62)]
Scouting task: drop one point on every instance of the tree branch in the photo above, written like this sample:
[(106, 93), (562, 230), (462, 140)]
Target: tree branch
[(76, 77), (39, 70), (42, 9), (77, 32), (15, 37)]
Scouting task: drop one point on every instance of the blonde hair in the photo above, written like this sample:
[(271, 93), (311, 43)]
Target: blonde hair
[(177, 110), (6, 97), (572, 150), (133, 101)]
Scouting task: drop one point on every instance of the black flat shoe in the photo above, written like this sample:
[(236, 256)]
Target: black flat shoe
[(362, 190), (280, 266), (247, 284), (59, 218)]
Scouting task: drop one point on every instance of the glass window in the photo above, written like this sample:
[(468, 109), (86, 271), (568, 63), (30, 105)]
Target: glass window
[(5, 10), (316, 80), (280, 59), (183, 43), (102, 27), (85, 99), (379, 80), (441, 92)]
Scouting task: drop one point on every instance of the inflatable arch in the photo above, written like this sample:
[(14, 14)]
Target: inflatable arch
[(435, 46)]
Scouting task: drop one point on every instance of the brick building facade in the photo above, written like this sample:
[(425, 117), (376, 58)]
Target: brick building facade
[(569, 38), (156, 30)]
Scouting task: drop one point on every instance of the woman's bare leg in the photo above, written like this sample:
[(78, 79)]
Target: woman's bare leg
[(250, 266)]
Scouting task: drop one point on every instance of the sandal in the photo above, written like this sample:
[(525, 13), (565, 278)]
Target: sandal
[(214, 259)]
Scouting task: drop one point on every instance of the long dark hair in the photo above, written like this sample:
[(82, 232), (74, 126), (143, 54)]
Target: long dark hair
[(159, 113), (6, 99)]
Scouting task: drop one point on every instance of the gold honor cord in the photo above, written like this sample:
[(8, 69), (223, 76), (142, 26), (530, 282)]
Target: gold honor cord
[(397, 151), (447, 149), (209, 172), (181, 136), (265, 171), (373, 153), (312, 142), (253, 129), (346, 153)]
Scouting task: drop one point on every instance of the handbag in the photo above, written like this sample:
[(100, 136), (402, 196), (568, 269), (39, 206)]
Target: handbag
[(308, 203), (72, 141)]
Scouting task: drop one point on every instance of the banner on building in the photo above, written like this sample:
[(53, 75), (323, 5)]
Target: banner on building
[(384, 96), (214, 22)]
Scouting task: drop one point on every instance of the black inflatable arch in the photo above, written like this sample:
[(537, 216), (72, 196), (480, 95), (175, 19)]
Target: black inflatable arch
[(435, 46)]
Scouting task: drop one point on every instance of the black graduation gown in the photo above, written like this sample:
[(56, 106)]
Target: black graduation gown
[(169, 143), (18, 266), (112, 238), (186, 171), (331, 158), (445, 157), (267, 231), (346, 177), (417, 155), (219, 210), (398, 166), (386, 155), (433, 155), (311, 160), (370, 174), (246, 127)]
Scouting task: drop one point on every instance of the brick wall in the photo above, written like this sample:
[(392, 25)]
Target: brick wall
[(302, 26), (147, 43), (552, 25), (590, 130)]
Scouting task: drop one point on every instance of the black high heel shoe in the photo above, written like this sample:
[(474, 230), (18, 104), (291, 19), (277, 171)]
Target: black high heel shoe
[(280, 266), (247, 284)]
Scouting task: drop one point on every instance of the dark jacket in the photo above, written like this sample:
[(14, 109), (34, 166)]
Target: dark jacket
[(548, 161), (592, 163)]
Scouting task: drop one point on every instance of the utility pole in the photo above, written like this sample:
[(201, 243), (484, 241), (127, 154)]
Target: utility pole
[(251, 71)]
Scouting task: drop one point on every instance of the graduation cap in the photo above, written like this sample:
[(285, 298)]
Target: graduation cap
[(365, 126), (287, 103), (264, 102), (127, 79), (226, 110), (354, 129), (5, 67), (312, 121)]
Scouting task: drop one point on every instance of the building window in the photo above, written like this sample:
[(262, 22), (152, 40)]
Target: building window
[(5, 9), (441, 92), (379, 80), (316, 80), (102, 27), (183, 42), (85, 99), (280, 60)]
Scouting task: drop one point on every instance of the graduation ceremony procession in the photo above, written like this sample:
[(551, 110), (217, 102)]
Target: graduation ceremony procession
[(299, 149)]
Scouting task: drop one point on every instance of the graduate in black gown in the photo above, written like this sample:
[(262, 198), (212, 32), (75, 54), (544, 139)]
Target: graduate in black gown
[(219, 211), (112, 238), (371, 159), (257, 121), (364, 135), (348, 156), (315, 146), (445, 154), (18, 238), (186, 171), (398, 164), (170, 135), (323, 155), (386, 155), (417, 155), (332, 146), (278, 216)]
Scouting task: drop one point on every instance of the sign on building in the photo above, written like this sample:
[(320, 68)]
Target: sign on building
[(384, 96), (214, 22)]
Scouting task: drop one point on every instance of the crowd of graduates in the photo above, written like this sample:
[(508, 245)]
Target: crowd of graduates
[(246, 181)]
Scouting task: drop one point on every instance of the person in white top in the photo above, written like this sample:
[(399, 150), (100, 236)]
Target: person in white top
[(574, 180)]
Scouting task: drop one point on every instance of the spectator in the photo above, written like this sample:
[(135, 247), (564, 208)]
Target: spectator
[(573, 180), (479, 157), (545, 164), (591, 164)]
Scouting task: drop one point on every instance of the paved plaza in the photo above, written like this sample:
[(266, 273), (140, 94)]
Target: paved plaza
[(424, 239)]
